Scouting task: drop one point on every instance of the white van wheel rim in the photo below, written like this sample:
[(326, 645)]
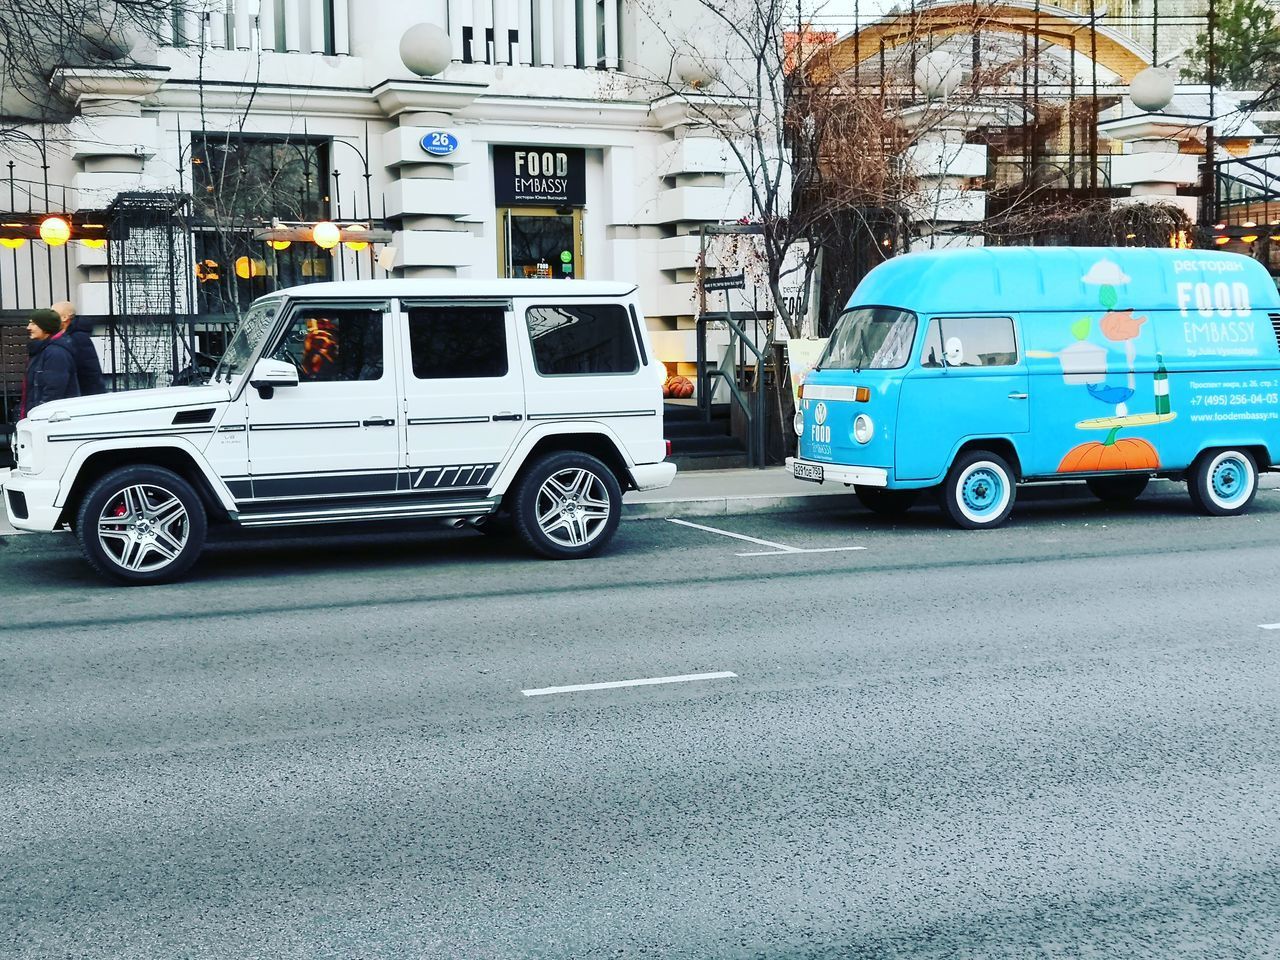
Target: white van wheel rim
[(143, 528), (1231, 479), (982, 491), (573, 507)]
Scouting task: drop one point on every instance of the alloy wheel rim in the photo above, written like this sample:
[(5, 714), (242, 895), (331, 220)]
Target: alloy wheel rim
[(143, 528), (573, 507)]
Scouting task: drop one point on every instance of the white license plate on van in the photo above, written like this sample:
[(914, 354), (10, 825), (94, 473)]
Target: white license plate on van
[(807, 471)]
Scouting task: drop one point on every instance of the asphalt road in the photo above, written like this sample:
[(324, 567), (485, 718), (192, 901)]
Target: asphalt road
[(1055, 739)]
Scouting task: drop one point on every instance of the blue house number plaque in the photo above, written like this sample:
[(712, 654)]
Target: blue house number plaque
[(439, 143)]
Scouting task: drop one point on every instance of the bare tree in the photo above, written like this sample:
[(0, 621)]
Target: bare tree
[(37, 36)]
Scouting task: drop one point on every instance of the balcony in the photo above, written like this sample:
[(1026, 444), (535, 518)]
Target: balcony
[(581, 34), (586, 34), (282, 26)]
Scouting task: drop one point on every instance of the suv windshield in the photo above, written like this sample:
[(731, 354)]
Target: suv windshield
[(872, 338), (256, 324)]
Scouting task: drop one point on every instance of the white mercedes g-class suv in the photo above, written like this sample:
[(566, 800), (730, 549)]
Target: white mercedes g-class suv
[(369, 400)]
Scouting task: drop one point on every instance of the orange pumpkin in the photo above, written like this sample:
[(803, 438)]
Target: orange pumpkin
[(680, 388), (1128, 453)]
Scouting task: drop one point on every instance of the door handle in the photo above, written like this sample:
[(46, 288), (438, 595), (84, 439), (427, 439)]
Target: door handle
[(1017, 396), (507, 416), (379, 422)]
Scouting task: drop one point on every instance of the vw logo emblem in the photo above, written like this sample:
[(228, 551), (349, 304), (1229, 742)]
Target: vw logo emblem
[(820, 413)]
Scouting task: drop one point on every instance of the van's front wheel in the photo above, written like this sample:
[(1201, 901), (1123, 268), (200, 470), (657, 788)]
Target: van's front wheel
[(1223, 482), (979, 491)]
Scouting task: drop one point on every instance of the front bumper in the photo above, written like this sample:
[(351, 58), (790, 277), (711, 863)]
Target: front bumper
[(843, 473), (36, 496), (653, 476)]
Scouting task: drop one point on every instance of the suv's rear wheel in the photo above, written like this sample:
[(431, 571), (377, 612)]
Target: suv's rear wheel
[(567, 505), (141, 525)]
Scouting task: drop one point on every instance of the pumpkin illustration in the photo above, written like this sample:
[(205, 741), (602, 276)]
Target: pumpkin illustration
[(1128, 453), (1121, 325), (680, 388)]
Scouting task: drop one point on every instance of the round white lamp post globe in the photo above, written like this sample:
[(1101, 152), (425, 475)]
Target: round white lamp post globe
[(1151, 90), (425, 49), (694, 71), (938, 74)]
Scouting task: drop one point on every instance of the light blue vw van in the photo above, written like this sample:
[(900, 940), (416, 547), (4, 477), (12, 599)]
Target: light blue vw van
[(971, 371)]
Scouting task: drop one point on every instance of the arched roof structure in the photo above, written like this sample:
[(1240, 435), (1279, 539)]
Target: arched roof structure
[(1054, 25)]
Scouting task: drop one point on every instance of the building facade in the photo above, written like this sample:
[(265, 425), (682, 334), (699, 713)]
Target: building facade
[(464, 138)]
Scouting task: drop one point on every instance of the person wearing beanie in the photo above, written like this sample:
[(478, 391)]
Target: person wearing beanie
[(79, 335), (51, 371)]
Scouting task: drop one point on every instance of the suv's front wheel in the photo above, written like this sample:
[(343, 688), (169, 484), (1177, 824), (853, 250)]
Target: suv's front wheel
[(567, 505), (141, 525)]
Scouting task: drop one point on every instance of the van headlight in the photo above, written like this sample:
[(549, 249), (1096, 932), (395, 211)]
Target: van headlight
[(797, 423), (863, 428)]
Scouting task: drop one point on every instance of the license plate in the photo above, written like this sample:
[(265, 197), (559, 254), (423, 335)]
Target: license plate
[(807, 471)]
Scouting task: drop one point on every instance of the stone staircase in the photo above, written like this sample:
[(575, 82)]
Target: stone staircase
[(697, 444)]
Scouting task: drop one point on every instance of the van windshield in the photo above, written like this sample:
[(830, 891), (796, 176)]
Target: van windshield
[(257, 323), (871, 338)]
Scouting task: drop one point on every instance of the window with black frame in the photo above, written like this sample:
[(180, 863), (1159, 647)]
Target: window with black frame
[(458, 342), (334, 344), (240, 182), (582, 339)]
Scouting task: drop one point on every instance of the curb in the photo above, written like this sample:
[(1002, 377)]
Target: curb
[(731, 506)]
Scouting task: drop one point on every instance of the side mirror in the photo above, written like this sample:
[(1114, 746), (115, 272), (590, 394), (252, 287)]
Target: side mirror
[(273, 373)]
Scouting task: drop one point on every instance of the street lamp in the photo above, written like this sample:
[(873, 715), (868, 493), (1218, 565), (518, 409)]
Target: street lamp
[(326, 234)]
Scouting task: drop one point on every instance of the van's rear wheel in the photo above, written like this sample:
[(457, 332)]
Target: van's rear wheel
[(141, 525), (886, 503), (567, 505), (979, 491), (1223, 482), (1124, 489)]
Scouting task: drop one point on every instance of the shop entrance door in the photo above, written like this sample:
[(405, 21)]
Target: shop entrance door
[(540, 242)]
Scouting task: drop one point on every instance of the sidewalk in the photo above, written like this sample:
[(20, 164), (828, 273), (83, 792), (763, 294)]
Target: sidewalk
[(714, 493)]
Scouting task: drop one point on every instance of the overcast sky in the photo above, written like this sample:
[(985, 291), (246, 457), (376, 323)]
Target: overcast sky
[(838, 15)]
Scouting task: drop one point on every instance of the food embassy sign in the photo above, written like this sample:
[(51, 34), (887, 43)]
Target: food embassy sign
[(555, 176)]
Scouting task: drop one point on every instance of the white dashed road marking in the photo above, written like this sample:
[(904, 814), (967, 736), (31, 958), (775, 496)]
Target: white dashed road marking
[(778, 548), (1270, 626), (613, 684)]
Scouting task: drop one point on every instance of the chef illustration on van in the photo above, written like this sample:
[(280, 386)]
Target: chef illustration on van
[(1084, 363)]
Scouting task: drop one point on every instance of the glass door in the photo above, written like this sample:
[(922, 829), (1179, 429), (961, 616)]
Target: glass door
[(540, 242)]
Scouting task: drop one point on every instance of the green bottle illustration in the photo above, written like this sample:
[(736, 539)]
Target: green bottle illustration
[(1162, 386)]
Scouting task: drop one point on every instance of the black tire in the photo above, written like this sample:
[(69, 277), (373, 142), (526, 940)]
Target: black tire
[(886, 503), (139, 525), (1121, 489), (1223, 483), (555, 488), (979, 491)]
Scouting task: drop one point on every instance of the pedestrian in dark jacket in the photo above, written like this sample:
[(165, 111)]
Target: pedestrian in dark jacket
[(51, 372), (79, 335)]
